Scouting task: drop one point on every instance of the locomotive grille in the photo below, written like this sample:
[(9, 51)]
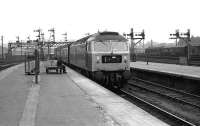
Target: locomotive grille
[(112, 59)]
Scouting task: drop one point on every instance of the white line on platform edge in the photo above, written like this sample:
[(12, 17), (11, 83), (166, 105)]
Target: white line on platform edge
[(28, 116)]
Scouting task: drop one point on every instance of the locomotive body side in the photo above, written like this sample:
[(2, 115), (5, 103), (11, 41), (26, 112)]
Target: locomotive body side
[(63, 53), (77, 54)]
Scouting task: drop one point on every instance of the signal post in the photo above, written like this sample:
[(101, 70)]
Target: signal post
[(135, 36), (185, 37)]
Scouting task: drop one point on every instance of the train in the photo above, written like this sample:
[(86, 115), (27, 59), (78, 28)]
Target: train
[(102, 56), (173, 55)]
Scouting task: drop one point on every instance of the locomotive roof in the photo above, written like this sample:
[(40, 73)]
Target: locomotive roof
[(103, 36)]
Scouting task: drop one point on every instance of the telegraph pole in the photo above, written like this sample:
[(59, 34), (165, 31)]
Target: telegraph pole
[(38, 41), (186, 37), (151, 43), (132, 37), (28, 42), (19, 44), (42, 46), (188, 40), (53, 34), (37, 60), (2, 46), (39, 34)]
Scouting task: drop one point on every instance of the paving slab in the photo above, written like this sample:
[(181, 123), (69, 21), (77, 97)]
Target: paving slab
[(63, 103), (14, 87)]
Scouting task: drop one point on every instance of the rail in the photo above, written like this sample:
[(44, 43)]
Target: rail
[(5, 66), (169, 102), (178, 120), (170, 92)]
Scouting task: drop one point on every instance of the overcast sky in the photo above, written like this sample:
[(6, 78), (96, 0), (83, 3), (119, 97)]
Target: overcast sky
[(158, 18)]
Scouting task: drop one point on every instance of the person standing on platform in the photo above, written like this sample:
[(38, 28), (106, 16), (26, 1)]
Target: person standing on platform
[(61, 65), (147, 58)]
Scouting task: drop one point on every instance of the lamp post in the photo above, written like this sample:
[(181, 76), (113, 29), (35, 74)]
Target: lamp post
[(37, 61)]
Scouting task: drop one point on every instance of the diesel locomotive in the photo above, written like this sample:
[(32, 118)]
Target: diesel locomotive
[(103, 56)]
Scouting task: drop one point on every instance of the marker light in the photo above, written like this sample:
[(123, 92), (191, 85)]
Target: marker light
[(98, 59), (125, 59)]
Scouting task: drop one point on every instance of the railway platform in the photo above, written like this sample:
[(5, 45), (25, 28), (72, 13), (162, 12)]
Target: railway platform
[(190, 72), (179, 77), (64, 99)]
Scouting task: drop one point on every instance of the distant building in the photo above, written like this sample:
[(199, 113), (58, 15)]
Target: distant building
[(195, 41), (5, 50)]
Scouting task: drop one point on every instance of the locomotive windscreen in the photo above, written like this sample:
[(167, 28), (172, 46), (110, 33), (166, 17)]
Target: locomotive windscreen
[(110, 46), (105, 36)]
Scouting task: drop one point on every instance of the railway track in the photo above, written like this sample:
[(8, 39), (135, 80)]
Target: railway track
[(187, 98), (4, 66), (181, 107)]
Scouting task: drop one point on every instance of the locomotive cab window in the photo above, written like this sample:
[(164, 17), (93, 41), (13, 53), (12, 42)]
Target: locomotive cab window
[(119, 46), (88, 46), (102, 46), (109, 46)]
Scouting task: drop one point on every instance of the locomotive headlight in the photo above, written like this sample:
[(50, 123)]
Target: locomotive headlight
[(98, 59), (125, 59)]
